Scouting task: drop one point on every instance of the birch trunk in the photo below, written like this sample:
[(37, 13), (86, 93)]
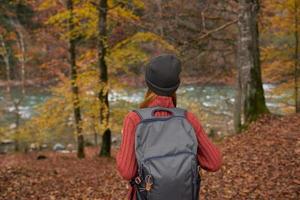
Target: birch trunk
[(4, 52), (16, 103), (21, 45)]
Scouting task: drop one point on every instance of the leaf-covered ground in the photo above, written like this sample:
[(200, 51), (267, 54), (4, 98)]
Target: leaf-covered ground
[(262, 163)]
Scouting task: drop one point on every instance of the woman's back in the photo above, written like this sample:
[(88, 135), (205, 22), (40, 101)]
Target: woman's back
[(162, 79), (208, 155)]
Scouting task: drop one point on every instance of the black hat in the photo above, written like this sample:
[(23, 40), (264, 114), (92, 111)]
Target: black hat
[(162, 74)]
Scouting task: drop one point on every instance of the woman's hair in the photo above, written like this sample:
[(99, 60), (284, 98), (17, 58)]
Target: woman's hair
[(150, 96)]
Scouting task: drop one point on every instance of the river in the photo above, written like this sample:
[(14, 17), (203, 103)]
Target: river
[(213, 104)]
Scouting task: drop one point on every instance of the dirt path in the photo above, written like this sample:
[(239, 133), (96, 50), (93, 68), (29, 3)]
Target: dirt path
[(262, 163)]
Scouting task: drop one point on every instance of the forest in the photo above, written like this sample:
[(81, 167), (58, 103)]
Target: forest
[(71, 70)]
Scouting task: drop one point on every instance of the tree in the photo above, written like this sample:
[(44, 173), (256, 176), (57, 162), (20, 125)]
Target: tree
[(103, 69), (103, 79), (14, 17), (248, 61), (205, 34), (120, 45), (280, 50), (297, 57), (22, 47), (65, 20), (4, 52), (74, 86)]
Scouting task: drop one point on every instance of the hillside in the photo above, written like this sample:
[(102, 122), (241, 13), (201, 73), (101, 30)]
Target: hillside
[(262, 163)]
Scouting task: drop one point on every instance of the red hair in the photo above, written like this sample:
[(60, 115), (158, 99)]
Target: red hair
[(150, 96)]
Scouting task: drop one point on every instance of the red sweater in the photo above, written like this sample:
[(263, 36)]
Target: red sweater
[(209, 156)]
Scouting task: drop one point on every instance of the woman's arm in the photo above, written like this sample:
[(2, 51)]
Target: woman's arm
[(209, 155), (126, 159)]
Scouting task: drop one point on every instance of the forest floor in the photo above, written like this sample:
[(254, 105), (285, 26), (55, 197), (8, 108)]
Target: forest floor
[(261, 163)]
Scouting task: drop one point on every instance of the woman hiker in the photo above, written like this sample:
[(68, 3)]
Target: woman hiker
[(162, 145)]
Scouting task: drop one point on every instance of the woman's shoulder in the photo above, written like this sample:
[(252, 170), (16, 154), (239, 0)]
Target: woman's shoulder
[(190, 115), (192, 118), (133, 117)]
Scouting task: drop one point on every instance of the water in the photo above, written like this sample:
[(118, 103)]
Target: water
[(28, 103), (213, 104)]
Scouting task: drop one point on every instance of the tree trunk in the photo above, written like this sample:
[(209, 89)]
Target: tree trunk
[(75, 89), (160, 22), (296, 72), (95, 139), (103, 80), (17, 122), (253, 100), (16, 103), (238, 103), (6, 56), (21, 45)]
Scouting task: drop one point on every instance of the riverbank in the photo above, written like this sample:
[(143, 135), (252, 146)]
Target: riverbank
[(213, 105), (261, 163)]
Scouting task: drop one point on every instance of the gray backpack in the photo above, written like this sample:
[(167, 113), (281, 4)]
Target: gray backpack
[(166, 152)]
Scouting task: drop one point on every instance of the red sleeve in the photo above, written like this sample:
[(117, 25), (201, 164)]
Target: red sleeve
[(126, 159), (209, 155)]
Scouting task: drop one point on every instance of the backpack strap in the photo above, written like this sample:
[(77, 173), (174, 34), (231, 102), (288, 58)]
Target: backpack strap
[(148, 113)]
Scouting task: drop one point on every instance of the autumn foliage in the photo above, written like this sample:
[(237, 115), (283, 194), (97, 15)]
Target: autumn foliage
[(210, 37)]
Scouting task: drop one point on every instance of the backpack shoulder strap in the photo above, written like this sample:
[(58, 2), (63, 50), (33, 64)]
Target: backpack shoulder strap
[(148, 113)]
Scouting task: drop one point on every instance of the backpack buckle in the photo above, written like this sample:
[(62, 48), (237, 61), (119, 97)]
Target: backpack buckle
[(137, 180), (149, 183)]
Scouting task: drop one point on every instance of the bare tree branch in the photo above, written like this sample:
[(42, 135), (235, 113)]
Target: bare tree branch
[(217, 29)]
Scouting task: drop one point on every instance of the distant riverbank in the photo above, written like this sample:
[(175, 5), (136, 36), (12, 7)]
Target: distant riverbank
[(131, 81)]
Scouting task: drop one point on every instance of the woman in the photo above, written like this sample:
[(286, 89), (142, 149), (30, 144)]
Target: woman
[(162, 78)]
